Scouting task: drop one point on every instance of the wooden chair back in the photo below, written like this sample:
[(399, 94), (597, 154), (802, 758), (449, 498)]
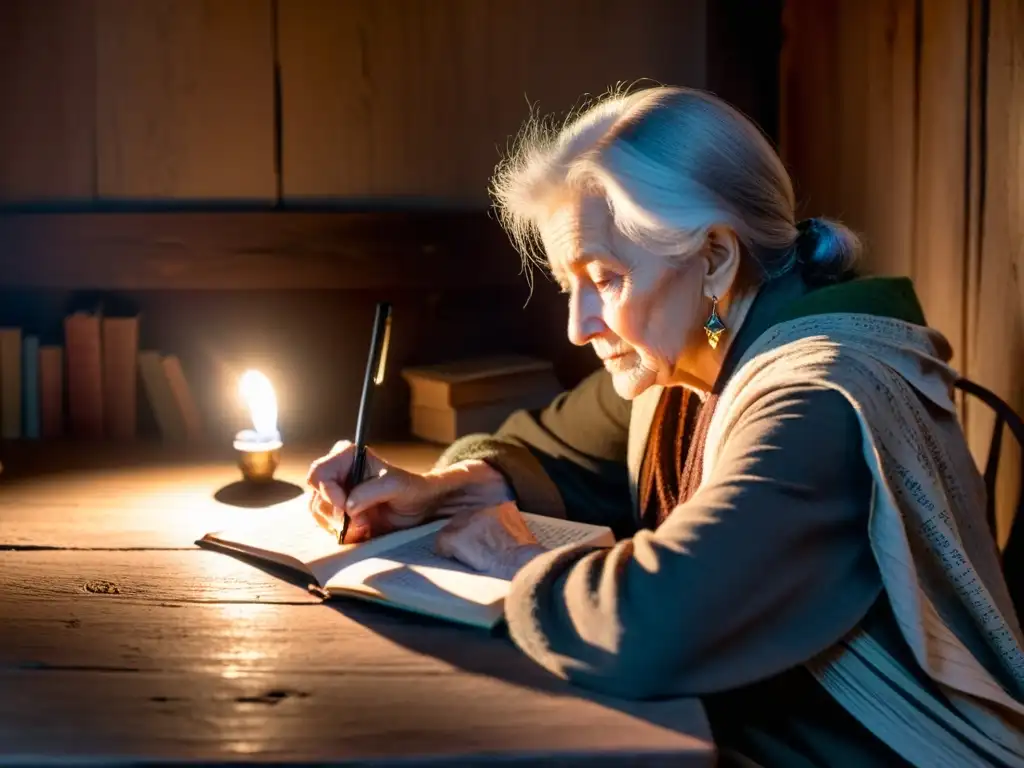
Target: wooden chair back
[(1013, 552)]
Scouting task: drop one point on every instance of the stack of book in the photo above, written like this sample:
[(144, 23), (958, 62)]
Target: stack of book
[(88, 388), (465, 397)]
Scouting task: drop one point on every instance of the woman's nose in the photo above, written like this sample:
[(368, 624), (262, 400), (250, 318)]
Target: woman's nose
[(584, 317)]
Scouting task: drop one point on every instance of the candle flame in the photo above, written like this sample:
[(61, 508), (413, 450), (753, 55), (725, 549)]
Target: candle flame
[(258, 394)]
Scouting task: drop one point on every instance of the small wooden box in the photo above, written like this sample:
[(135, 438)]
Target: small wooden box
[(455, 399)]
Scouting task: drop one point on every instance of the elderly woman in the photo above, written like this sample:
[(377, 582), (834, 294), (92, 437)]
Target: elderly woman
[(771, 439)]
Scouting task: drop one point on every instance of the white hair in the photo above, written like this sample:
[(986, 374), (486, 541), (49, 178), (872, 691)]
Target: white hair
[(671, 163)]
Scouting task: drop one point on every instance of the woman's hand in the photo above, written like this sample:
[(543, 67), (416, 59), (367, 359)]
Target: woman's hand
[(392, 498), (495, 541)]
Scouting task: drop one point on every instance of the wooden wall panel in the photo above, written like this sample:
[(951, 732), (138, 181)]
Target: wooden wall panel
[(326, 97), (848, 119), (185, 99), (809, 112), (892, 137), (410, 98), (996, 341), (940, 245), (47, 115), (905, 119), (744, 43), (851, 104), (384, 100), (871, 137), (879, 131)]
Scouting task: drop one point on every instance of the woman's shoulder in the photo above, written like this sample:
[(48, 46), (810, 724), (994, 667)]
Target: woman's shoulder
[(801, 415)]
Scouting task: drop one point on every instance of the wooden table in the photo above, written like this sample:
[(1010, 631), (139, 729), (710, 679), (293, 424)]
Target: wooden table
[(121, 640)]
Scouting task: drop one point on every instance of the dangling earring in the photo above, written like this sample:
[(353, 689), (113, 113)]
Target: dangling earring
[(714, 327)]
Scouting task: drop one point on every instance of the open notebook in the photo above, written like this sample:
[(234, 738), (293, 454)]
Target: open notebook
[(399, 569)]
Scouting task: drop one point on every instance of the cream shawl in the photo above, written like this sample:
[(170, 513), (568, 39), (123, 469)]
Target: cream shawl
[(938, 563)]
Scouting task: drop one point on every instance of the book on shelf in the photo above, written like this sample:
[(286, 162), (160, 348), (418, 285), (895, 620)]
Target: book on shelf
[(10, 383), (399, 569), (89, 387), (161, 398), (84, 374), (184, 401), (30, 387), (51, 391), (120, 376)]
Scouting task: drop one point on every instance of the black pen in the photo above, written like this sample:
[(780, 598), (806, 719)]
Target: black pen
[(375, 364)]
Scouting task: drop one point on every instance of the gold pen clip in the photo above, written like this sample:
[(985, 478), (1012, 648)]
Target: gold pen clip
[(382, 363)]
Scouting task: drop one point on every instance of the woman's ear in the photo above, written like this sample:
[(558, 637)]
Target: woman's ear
[(724, 256)]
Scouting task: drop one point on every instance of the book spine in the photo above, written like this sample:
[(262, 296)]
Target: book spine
[(120, 376), (30, 386), (183, 398), (84, 375), (51, 391), (10, 383), (160, 396)]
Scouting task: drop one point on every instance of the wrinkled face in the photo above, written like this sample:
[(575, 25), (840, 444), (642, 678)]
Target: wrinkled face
[(642, 315)]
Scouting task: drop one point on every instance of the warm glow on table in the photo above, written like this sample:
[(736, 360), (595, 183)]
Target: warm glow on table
[(121, 639)]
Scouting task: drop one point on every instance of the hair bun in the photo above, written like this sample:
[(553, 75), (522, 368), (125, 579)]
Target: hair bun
[(827, 250), (805, 226)]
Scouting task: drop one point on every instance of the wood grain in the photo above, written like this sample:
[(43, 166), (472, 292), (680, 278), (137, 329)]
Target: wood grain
[(331, 719), (941, 205), (193, 655), (411, 100), (809, 111), (996, 342), (885, 132), (327, 141), (166, 679), (906, 115), (895, 247), (414, 99), (878, 141), (48, 117), (185, 99), (254, 250), (91, 580), (851, 101), (978, 419), (849, 130), (115, 500)]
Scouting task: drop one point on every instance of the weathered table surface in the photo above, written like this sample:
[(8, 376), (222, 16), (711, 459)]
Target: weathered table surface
[(120, 640)]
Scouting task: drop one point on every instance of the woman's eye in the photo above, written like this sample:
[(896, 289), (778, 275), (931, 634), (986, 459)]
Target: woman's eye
[(604, 280)]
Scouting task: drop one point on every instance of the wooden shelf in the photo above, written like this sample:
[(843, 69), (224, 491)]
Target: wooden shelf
[(254, 250)]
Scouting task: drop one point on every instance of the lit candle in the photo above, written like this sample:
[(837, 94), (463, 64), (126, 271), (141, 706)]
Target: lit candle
[(259, 448)]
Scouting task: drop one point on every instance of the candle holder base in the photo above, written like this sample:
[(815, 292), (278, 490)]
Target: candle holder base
[(259, 466)]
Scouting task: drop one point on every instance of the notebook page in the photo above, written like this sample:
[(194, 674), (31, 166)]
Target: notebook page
[(414, 566), (552, 532), (288, 530)]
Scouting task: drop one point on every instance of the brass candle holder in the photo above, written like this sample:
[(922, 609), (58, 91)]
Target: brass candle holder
[(258, 459)]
